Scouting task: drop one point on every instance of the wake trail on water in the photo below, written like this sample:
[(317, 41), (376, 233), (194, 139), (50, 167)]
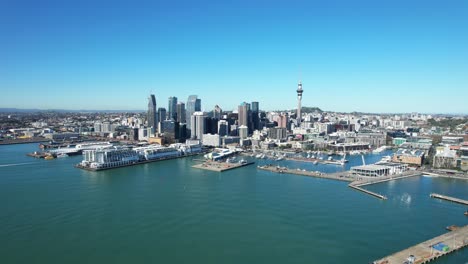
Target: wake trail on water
[(16, 164)]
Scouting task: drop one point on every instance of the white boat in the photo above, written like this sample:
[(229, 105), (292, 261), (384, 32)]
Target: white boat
[(315, 162), (330, 158), (62, 155)]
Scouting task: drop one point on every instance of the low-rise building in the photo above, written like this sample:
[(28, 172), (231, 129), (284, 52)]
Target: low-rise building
[(382, 169), (407, 156)]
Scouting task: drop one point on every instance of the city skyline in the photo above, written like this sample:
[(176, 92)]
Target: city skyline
[(366, 57)]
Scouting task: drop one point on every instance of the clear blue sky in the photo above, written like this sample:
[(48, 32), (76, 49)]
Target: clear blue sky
[(376, 56)]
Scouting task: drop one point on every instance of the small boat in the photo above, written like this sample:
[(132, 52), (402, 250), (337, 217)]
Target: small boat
[(330, 158), (49, 157), (315, 162), (62, 155), (242, 161), (466, 213)]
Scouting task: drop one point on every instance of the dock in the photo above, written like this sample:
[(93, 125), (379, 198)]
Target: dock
[(316, 174), (448, 198), (378, 195), (332, 162), (431, 249), (220, 166)]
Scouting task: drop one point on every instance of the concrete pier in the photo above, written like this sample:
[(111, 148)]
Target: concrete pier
[(425, 252), (220, 166), (380, 196), (331, 176), (448, 198)]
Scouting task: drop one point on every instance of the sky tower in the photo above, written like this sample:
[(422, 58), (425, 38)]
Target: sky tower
[(299, 106)]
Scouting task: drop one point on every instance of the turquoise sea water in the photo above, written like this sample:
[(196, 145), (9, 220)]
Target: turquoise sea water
[(167, 212)]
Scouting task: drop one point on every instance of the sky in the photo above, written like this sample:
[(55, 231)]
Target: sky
[(368, 56)]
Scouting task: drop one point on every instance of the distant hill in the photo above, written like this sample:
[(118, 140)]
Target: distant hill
[(306, 109), (21, 110)]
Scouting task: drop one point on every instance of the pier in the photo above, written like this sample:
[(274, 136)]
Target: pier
[(220, 166), (332, 162), (380, 196), (431, 249), (448, 198), (332, 176)]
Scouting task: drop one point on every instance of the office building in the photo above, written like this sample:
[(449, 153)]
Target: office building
[(152, 112), (172, 108)]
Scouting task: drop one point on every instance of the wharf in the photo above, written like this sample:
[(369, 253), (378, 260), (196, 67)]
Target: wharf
[(332, 162), (448, 198), (220, 166), (79, 166), (332, 176), (425, 252)]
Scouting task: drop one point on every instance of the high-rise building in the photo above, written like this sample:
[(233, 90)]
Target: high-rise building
[(172, 108), (161, 114), (181, 112), (223, 128), (198, 120), (255, 116), (243, 111), (217, 111), (152, 113), (299, 106), (193, 105)]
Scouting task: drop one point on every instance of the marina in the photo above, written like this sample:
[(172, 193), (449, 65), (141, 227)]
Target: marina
[(431, 249)]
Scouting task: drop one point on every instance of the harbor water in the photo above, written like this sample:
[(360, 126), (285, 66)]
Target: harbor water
[(168, 212)]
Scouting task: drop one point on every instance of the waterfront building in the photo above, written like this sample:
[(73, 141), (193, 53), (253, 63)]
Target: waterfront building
[(180, 115), (299, 103), (383, 169), (172, 108), (109, 157), (193, 105), (152, 115), (445, 158), (408, 156)]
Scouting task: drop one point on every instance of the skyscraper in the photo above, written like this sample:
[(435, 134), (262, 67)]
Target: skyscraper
[(152, 113), (243, 111), (217, 111), (255, 116), (193, 105), (172, 108), (299, 106), (161, 114), (181, 112)]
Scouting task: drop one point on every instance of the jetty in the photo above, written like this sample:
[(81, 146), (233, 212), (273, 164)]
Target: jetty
[(220, 166), (431, 249), (448, 198)]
